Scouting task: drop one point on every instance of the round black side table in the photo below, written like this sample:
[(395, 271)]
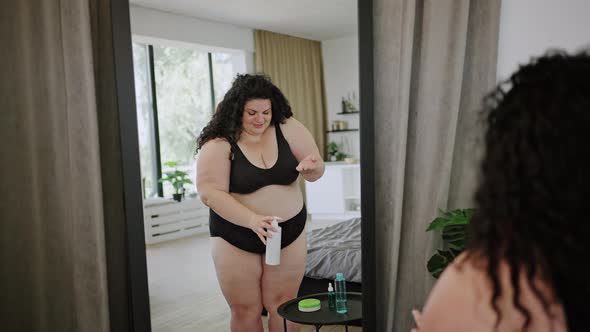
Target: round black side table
[(290, 311)]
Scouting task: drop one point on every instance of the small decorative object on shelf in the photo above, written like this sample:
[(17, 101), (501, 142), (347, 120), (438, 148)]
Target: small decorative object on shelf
[(349, 103), (338, 125)]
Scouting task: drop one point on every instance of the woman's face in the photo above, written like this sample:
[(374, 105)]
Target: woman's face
[(257, 116)]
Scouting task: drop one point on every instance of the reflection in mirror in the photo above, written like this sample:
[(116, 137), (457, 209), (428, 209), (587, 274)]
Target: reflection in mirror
[(247, 112)]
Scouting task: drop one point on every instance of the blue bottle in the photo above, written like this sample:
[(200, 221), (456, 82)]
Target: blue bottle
[(341, 303)]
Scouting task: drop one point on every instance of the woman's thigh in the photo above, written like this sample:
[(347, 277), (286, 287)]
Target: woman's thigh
[(238, 273), (281, 282)]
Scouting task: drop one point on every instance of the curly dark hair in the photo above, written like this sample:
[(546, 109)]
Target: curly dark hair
[(227, 120), (535, 184)]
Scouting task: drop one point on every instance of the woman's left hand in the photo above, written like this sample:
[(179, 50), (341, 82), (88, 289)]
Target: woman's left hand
[(308, 164)]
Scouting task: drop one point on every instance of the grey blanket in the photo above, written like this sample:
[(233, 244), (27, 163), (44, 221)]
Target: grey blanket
[(333, 249)]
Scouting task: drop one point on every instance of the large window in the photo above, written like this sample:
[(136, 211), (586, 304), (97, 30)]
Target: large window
[(177, 90)]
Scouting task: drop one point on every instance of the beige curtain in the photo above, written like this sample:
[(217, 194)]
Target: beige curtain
[(434, 60), (57, 91), (295, 66)]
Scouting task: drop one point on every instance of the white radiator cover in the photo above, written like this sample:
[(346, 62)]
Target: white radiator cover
[(170, 220)]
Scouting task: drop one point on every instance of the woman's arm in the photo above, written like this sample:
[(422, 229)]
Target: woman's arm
[(311, 166), (213, 172)]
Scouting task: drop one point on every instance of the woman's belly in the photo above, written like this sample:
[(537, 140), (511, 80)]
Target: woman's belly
[(274, 200)]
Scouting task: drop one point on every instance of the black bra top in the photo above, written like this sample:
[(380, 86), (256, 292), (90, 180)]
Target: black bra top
[(246, 178)]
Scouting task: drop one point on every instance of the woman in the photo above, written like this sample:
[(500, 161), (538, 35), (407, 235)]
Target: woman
[(251, 154), (525, 267)]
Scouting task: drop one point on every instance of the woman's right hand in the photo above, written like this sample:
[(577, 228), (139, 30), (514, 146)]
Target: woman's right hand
[(261, 225)]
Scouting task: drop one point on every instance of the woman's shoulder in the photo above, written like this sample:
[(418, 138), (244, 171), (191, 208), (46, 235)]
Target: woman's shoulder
[(293, 129), (290, 124), (465, 286), (218, 142), (458, 287), (216, 146)]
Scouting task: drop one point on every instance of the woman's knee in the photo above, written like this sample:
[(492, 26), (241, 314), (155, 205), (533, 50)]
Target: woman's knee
[(272, 303), (246, 312)]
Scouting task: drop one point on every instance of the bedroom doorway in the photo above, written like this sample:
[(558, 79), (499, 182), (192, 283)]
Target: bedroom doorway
[(185, 58)]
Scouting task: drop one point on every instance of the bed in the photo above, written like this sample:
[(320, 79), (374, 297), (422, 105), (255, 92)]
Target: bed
[(333, 249)]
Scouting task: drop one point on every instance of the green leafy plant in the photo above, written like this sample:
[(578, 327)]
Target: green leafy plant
[(176, 177), (453, 224), (332, 149), (334, 153)]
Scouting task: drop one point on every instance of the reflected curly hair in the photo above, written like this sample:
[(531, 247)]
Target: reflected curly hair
[(227, 120), (533, 197)]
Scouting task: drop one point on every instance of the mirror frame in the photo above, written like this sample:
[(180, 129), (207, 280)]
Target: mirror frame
[(131, 310), (128, 290), (367, 145)]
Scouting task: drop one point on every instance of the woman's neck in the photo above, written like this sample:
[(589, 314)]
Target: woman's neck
[(248, 138)]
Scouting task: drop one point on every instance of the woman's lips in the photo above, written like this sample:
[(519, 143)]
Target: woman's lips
[(258, 125)]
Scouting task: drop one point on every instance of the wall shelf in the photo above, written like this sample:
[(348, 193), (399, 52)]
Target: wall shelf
[(348, 113), (352, 197), (342, 130)]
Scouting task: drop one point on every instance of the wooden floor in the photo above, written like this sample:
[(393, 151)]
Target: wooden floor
[(184, 293)]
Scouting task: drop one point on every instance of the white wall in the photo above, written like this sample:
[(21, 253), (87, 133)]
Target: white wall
[(150, 25), (341, 77), (530, 27)]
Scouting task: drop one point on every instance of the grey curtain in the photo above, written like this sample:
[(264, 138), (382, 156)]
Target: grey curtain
[(60, 168), (434, 60)]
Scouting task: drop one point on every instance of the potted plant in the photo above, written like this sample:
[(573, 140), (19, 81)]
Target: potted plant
[(177, 178), (334, 154), (332, 151), (340, 156), (453, 224)]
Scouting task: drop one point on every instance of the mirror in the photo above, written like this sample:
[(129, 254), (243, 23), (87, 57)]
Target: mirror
[(186, 57)]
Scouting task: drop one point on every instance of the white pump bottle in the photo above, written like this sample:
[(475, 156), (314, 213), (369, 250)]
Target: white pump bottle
[(273, 245)]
